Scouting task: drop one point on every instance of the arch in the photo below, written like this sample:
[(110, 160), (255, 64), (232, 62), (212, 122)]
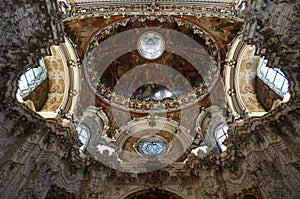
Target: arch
[(64, 79), (172, 141), (236, 48), (137, 126), (210, 55), (240, 76), (211, 8), (95, 122), (72, 76), (152, 194), (208, 120), (99, 117), (243, 90), (212, 131)]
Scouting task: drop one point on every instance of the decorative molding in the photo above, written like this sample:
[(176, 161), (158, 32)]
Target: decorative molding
[(36, 153), (251, 193), (154, 9), (58, 192), (210, 71)]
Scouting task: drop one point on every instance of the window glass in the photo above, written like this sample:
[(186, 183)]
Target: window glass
[(273, 77), (84, 136), (263, 71), (31, 79), (23, 83), (37, 71), (221, 135), (285, 87), (30, 76)]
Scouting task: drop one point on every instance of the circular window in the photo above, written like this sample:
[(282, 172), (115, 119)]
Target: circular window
[(152, 146), (151, 45)]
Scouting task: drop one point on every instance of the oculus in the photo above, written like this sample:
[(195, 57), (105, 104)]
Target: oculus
[(151, 45), (152, 146)]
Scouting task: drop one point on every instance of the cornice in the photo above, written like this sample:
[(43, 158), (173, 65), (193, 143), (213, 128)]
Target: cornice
[(149, 8)]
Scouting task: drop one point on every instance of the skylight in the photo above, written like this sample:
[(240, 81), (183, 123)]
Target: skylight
[(273, 77)]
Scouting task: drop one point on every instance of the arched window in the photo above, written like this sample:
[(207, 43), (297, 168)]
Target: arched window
[(84, 136), (273, 77), (220, 136), (31, 79)]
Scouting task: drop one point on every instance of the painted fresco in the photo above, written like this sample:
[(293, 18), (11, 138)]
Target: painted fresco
[(56, 74), (131, 60), (82, 31), (222, 30)]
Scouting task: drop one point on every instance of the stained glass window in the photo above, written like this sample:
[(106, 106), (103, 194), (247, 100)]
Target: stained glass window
[(273, 77), (152, 146)]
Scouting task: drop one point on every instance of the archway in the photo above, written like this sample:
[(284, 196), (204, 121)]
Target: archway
[(153, 194)]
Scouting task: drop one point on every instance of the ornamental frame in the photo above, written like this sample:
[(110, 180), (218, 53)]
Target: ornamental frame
[(166, 105)]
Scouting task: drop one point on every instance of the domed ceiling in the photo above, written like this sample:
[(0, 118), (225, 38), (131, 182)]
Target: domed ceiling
[(169, 62), (151, 76)]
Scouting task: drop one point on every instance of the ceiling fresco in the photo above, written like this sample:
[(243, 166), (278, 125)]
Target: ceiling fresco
[(118, 117), (101, 46), (222, 30), (82, 31), (149, 99), (188, 66), (56, 74), (131, 60)]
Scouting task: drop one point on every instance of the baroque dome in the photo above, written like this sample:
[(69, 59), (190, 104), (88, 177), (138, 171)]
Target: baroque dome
[(119, 72), (180, 99)]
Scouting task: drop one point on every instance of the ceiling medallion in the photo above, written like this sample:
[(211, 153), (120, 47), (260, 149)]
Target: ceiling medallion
[(151, 45)]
